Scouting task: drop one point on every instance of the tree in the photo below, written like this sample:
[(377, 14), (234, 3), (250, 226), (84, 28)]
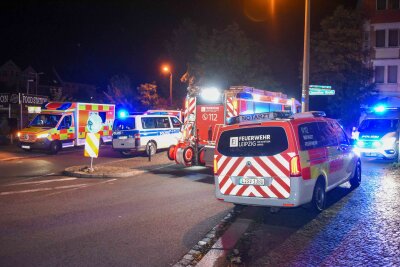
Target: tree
[(228, 57), (148, 95), (337, 59), (119, 91)]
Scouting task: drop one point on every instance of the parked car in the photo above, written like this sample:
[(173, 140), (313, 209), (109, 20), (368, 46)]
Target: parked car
[(283, 162), (147, 133)]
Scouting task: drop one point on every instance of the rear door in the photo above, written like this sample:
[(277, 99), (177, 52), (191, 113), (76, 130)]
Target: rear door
[(124, 131), (254, 161)]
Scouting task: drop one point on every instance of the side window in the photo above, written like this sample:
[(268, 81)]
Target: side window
[(308, 134), (327, 134), (162, 122), (341, 135), (175, 122), (66, 122), (148, 123)]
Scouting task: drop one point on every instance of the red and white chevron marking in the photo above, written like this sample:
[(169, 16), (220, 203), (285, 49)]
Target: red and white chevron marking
[(230, 109), (188, 126), (274, 168)]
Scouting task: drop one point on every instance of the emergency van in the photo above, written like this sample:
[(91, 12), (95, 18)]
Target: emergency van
[(378, 133), (209, 109), (133, 133), (64, 124), (281, 160)]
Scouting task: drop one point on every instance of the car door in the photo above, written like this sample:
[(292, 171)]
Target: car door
[(345, 149)]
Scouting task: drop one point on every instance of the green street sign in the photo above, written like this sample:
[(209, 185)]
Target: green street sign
[(328, 87), (317, 91)]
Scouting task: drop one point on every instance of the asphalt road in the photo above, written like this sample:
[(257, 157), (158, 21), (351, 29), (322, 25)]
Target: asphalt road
[(151, 219)]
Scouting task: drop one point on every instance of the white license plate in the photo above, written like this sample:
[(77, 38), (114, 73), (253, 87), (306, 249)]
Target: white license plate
[(123, 137), (26, 147), (251, 181), (371, 154)]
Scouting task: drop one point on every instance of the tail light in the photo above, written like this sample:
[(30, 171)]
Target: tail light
[(295, 168), (215, 166), (137, 139), (137, 136)]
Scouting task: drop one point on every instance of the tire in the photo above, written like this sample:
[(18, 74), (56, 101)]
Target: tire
[(55, 146), (188, 154), (171, 152), (152, 147), (319, 196), (126, 153), (355, 181)]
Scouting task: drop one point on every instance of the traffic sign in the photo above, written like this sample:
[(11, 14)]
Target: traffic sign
[(92, 143), (328, 87), (314, 91), (94, 123)]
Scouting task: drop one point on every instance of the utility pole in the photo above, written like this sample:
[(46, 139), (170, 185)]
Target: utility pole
[(306, 60)]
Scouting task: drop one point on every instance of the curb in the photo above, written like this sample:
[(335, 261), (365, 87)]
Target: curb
[(118, 173), (198, 251)]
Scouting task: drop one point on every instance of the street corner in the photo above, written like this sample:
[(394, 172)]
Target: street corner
[(100, 171)]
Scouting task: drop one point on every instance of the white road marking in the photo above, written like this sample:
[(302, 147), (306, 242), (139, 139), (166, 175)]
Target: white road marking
[(72, 189), (44, 181), (42, 189)]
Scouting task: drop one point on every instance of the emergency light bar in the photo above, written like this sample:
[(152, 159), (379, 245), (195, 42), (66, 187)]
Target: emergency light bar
[(259, 116)]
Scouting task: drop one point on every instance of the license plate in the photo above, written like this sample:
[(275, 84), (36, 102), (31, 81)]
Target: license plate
[(251, 181), (26, 147), (123, 137), (370, 154)]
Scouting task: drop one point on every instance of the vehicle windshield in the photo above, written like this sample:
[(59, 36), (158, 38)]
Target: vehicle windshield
[(45, 120), (378, 125), (124, 124)]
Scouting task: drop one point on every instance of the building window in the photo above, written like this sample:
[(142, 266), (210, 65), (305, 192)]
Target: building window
[(392, 74), (380, 4), (380, 38), (394, 4), (393, 38), (379, 74)]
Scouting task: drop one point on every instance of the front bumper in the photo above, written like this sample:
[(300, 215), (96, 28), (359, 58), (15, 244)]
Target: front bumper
[(389, 153), (40, 144)]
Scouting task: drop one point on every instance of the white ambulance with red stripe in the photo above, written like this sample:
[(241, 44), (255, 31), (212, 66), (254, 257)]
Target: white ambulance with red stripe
[(208, 109), (282, 160)]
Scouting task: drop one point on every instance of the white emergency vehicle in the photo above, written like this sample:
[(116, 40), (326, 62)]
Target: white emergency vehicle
[(148, 133), (378, 133)]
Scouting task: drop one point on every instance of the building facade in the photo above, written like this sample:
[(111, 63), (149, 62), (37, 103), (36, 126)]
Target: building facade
[(382, 38)]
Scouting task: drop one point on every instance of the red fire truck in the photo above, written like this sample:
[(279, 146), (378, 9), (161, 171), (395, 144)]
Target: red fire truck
[(208, 110)]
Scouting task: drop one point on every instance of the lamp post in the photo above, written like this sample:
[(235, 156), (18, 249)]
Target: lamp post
[(167, 69), (306, 60)]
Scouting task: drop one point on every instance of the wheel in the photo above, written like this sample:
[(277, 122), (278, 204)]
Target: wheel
[(188, 154), (171, 152), (151, 148), (55, 146), (126, 153), (319, 196), (355, 181)]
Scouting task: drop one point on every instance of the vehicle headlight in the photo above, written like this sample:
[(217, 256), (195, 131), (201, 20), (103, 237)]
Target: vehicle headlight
[(389, 142), (19, 134), (376, 144), (43, 135), (360, 143)]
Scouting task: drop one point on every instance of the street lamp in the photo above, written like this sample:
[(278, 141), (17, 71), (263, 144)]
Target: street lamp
[(306, 60), (167, 69)]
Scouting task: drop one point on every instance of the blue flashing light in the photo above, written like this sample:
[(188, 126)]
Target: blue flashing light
[(122, 114), (380, 108)]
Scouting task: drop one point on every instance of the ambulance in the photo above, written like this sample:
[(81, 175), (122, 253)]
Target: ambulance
[(282, 160), (64, 124), (207, 110)]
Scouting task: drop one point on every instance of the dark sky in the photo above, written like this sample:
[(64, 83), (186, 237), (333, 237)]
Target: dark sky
[(89, 41)]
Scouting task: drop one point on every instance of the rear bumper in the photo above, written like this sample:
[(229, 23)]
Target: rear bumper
[(128, 144), (301, 192)]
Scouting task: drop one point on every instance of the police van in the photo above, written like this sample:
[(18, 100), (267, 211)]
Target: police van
[(277, 160), (148, 133)]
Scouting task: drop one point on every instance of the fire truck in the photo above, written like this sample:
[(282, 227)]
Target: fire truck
[(208, 109)]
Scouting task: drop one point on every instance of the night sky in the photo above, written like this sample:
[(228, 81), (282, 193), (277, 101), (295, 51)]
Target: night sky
[(89, 41)]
